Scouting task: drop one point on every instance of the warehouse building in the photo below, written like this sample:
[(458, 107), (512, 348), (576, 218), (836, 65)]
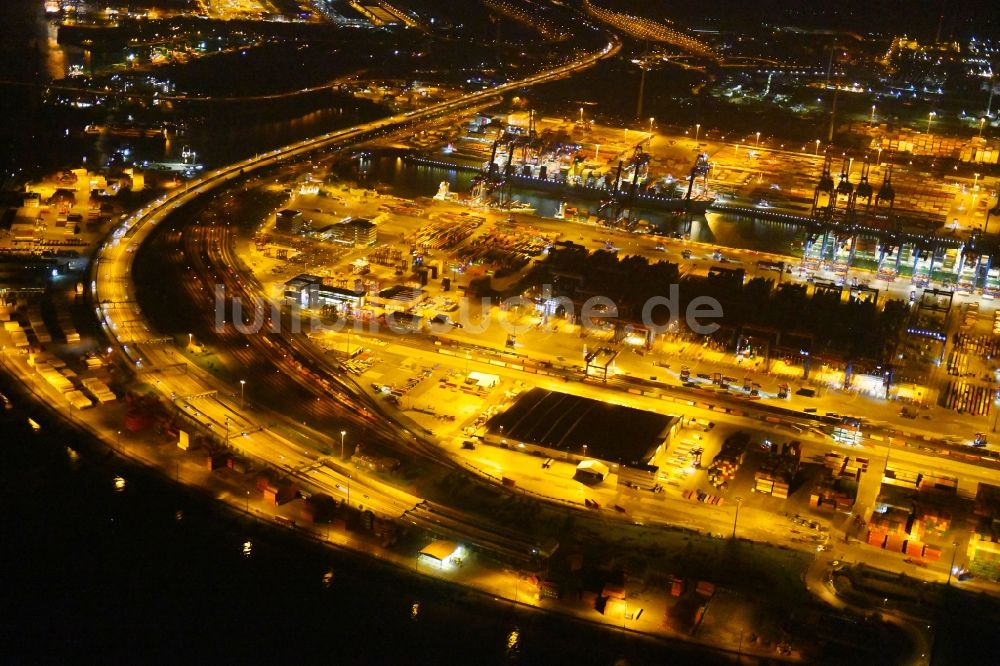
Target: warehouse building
[(570, 427), (356, 232), (308, 291), (288, 221)]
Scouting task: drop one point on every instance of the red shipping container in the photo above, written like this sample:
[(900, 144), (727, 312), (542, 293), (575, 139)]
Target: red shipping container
[(876, 538), (932, 553), (216, 461), (677, 588), (895, 543), (914, 548), (271, 495)]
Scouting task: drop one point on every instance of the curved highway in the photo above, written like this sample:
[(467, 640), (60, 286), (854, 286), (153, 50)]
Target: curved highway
[(204, 399)]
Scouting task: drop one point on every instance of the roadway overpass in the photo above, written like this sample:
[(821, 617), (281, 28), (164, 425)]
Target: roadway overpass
[(115, 306)]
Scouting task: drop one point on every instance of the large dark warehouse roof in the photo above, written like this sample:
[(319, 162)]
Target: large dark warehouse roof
[(567, 422)]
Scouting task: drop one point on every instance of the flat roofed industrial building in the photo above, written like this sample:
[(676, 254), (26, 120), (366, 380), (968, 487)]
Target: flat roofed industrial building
[(288, 221), (309, 291), (355, 232), (563, 425)]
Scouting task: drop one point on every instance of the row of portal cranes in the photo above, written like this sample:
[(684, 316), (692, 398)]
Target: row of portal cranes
[(621, 209), (510, 155), (843, 210), (838, 203), (495, 178)]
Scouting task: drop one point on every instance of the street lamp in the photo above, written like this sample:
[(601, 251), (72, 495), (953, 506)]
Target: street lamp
[(739, 501), (817, 147), (758, 139), (597, 150), (930, 117), (243, 385), (873, 116), (343, 433), (581, 115), (975, 182), (991, 211), (651, 125), (697, 129), (982, 123), (951, 568)]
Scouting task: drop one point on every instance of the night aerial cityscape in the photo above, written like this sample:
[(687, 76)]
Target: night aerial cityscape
[(500, 332)]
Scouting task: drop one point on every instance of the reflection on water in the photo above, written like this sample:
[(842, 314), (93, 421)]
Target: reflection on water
[(736, 231), (152, 562), (223, 143), (55, 56), (217, 141)]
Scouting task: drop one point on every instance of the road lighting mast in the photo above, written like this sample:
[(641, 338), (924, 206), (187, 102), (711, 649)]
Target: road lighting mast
[(343, 433), (952, 567), (642, 83), (989, 103), (833, 113), (739, 501), (995, 211)]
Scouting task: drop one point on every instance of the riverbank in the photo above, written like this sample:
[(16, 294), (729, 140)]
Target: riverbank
[(158, 568)]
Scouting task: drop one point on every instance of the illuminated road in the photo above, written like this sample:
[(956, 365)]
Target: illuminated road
[(259, 433), (203, 398), (263, 434)]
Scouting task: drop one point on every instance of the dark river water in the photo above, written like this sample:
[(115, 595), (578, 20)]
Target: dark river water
[(37, 136), (154, 573), (417, 180)]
